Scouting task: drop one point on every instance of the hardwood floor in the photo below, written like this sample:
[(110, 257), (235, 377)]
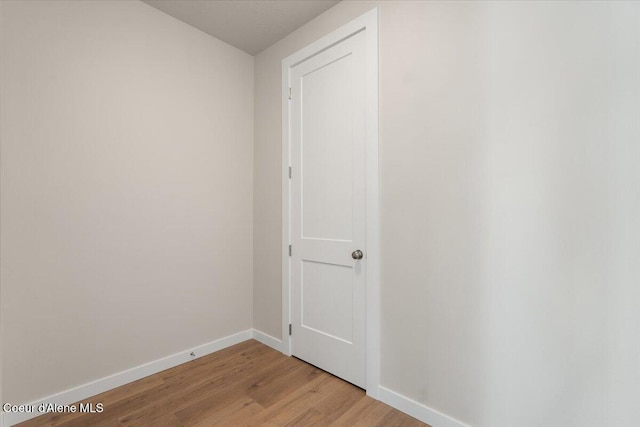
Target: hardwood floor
[(248, 384)]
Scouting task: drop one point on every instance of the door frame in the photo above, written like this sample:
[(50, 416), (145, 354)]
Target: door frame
[(368, 22)]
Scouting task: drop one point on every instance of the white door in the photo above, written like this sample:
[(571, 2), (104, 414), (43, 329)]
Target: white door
[(328, 209)]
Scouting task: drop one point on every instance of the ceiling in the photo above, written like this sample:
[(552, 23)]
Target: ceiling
[(249, 25)]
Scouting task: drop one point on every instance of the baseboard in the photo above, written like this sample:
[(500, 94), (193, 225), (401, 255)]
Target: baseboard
[(267, 339), (116, 380), (417, 410), (67, 397)]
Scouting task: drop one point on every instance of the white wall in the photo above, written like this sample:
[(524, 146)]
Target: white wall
[(126, 223), (510, 172), (510, 192)]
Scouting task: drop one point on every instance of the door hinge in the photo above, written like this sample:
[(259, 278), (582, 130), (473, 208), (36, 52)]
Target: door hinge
[(289, 172), (290, 328), (289, 250), (289, 93)]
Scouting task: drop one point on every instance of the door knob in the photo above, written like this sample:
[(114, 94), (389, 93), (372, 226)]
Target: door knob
[(357, 254)]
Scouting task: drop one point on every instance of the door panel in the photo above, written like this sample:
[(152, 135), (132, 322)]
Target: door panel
[(327, 151), (327, 288), (328, 209)]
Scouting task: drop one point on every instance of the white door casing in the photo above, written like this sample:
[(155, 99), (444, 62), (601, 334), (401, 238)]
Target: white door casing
[(330, 203)]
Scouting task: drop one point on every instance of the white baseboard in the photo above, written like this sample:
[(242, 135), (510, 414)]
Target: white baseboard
[(267, 339), (84, 391), (67, 397), (417, 410)]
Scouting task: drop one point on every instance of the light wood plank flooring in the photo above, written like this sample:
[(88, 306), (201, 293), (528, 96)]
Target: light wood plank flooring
[(248, 384)]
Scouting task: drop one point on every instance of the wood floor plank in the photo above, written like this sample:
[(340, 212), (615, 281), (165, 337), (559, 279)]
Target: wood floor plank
[(294, 404), (234, 416), (310, 417), (293, 380), (398, 419), (248, 384), (206, 397), (241, 388), (374, 414), (338, 401), (356, 412)]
